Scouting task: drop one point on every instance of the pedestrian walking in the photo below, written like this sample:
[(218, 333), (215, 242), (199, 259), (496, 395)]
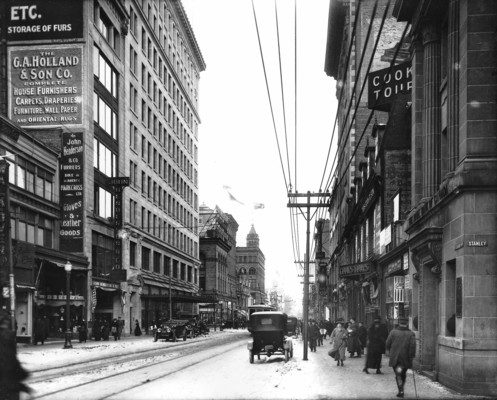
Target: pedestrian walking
[(376, 338), (12, 374), (82, 333), (353, 345), (113, 328), (338, 344), (401, 345), (105, 330), (313, 335), (322, 332), (39, 331), (138, 331), (97, 330), (120, 327), (362, 333)]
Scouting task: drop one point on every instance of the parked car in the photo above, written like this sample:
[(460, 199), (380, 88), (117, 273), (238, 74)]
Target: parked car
[(172, 329), (269, 335)]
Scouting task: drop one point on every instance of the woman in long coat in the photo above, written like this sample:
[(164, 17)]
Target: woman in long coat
[(377, 336), (339, 343)]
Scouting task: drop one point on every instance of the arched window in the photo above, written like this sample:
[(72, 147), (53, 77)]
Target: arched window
[(252, 271), (242, 271)]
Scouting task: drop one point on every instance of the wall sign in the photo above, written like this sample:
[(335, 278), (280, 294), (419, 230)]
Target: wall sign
[(44, 19), (385, 84), (71, 192), (354, 269), (45, 85)]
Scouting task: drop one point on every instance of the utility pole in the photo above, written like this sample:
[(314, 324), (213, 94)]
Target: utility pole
[(308, 205)]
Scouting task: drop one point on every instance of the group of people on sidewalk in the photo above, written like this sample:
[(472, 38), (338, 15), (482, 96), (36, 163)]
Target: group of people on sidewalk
[(400, 344)]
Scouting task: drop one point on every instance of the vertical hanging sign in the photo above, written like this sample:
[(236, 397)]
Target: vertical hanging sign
[(118, 184), (71, 192)]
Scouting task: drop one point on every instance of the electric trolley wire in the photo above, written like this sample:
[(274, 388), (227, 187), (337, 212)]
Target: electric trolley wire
[(295, 87), (269, 96), (282, 94)]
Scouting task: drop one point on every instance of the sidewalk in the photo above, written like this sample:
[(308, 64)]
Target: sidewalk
[(349, 382), (52, 353)]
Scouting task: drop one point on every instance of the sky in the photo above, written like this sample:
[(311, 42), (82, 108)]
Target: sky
[(238, 141)]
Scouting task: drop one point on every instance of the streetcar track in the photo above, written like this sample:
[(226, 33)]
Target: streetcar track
[(180, 354), (167, 374), (83, 366)]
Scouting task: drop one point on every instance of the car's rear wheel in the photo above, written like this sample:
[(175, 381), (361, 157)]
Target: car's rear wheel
[(251, 356)]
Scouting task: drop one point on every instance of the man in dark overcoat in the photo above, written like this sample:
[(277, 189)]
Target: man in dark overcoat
[(401, 344), (376, 338), (12, 374)]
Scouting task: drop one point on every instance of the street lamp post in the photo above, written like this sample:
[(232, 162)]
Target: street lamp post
[(67, 268)]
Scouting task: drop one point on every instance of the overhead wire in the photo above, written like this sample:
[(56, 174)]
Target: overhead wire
[(282, 94), (269, 96), (348, 121), (372, 111)]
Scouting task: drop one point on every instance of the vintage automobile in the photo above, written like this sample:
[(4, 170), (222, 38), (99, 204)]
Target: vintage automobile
[(269, 335), (172, 329), (291, 324)]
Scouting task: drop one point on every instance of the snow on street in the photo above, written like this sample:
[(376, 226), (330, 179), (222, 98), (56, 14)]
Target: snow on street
[(226, 375)]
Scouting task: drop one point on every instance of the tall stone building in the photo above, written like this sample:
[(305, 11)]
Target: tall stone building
[(250, 262), (431, 216), (453, 223), (218, 279), (112, 88)]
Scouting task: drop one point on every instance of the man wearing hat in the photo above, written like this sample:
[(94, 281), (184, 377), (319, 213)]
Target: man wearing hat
[(401, 343), (376, 338)]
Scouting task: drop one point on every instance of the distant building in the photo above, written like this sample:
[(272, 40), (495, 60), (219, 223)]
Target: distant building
[(250, 263), (218, 280)]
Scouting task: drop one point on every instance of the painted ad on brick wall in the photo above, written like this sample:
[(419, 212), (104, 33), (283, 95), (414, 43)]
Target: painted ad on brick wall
[(30, 20), (71, 192), (45, 86)]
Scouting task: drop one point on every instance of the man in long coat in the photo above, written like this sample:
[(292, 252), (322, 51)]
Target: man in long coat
[(376, 337), (12, 373), (401, 343), (353, 344)]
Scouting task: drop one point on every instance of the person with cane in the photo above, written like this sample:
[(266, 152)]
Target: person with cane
[(401, 345)]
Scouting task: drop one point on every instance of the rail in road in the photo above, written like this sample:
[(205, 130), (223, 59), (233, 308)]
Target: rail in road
[(77, 378)]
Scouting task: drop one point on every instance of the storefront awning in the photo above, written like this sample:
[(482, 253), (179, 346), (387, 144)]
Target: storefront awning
[(25, 286)]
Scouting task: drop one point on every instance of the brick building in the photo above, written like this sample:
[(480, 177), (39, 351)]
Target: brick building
[(370, 135), (112, 88)]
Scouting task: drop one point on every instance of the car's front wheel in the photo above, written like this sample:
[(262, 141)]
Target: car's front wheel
[(251, 356)]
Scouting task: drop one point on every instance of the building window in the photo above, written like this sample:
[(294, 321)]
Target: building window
[(104, 72), (32, 178), (157, 258), (104, 116), (145, 258), (103, 158), (132, 254), (102, 255), (104, 202)]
